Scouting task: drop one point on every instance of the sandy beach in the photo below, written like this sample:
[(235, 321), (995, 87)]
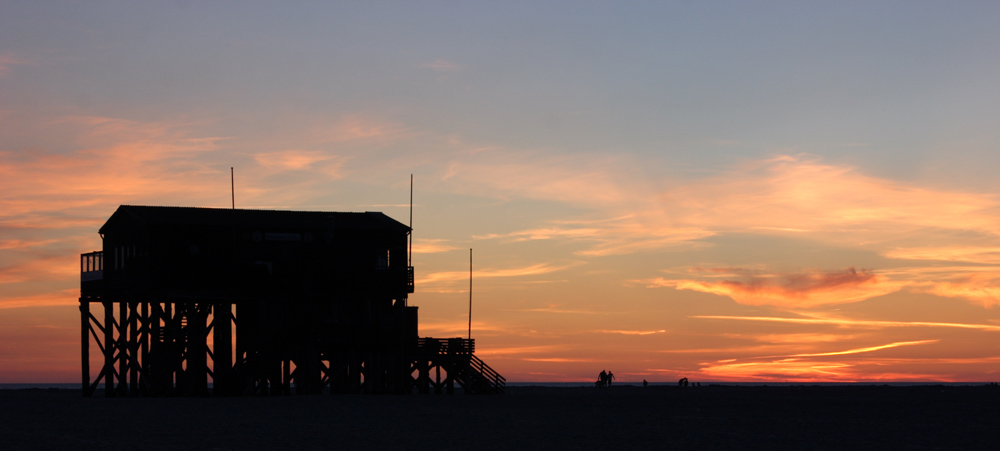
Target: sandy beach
[(623, 417)]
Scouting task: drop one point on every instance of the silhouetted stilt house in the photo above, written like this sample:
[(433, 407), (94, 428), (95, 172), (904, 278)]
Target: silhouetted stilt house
[(261, 302)]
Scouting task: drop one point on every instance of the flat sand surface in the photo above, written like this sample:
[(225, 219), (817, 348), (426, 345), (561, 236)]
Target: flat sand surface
[(623, 417)]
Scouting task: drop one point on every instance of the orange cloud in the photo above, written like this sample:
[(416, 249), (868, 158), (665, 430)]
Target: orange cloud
[(453, 276), (433, 246), (836, 202), (983, 289), (23, 244), (118, 161), (968, 254), (68, 297), (560, 310), (805, 368), (976, 284), (559, 360), (799, 290), (355, 128), (632, 332), (799, 338), (41, 268), (854, 322), (616, 237), (867, 349), (794, 196), (299, 160), (783, 370)]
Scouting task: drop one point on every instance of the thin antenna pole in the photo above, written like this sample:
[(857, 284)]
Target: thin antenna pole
[(470, 294), (232, 185), (409, 251)]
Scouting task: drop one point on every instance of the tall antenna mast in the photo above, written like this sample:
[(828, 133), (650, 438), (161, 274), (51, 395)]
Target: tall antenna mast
[(470, 294), (232, 186), (409, 251)]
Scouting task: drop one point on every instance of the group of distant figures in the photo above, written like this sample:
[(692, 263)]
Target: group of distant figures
[(684, 383), (604, 379)]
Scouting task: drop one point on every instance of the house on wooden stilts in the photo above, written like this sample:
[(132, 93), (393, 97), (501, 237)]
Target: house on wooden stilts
[(201, 301)]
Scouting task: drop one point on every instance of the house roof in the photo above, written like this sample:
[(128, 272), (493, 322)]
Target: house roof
[(225, 217)]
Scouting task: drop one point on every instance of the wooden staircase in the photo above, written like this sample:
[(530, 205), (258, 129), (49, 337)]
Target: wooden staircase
[(455, 358)]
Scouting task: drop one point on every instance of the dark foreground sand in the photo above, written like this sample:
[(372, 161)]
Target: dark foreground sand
[(626, 417)]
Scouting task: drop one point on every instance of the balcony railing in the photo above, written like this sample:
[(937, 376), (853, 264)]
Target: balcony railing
[(91, 266)]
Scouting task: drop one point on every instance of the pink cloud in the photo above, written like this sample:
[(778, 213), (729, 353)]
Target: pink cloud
[(441, 65), (68, 297), (794, 196), (8, 61), (791, 290)]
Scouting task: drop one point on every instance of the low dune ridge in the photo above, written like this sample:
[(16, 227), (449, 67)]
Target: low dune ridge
[(533, 417)]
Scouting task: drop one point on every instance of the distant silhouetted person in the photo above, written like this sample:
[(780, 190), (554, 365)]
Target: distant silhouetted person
[(644, 383), (611, 377), (683, 382)]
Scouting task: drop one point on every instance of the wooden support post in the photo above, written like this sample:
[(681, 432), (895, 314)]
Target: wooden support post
[(240, 377), (85, 345), (157, 376), (197, 350), (222, 365), (133, 347), (286, 376), (145, 337), (109, 349), (123, 348), (169, 348)]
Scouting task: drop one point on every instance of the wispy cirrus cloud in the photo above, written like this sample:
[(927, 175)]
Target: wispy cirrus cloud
[(441, 65), (490, 273), (847, 322), (8, 61), (798, 196), (814, 367), (330, 165), (793, 290), (24, 244), (867, 349), (68, 297), (828, 201), (433, 246), (958, 253), (116, 161), (980, 288), (558, 309), (633, 332)]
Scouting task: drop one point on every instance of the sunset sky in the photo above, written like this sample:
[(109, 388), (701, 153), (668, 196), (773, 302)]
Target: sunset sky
[(724, 191)]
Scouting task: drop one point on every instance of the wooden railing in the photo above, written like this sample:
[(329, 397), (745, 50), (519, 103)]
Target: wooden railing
[(448, 345), (495, 381), (470, 371), (91, 266)]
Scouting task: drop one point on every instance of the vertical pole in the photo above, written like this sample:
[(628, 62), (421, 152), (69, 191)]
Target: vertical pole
[(222, 365), (470, 294), (409, 250), (145, 337), (133, 347), (109, 349), (85, 344), (168, 357), (123, 348), (232, 185)]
